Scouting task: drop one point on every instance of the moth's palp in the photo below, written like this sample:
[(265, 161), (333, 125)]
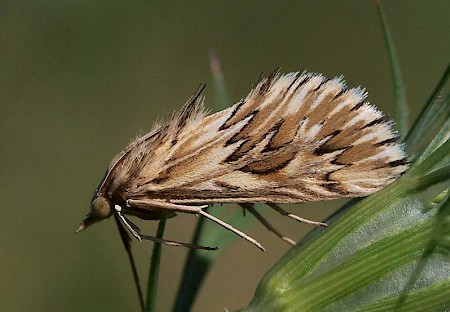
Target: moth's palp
[(266, 223), (295, 217)]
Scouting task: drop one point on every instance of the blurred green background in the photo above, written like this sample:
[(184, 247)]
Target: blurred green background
[(79, 79)]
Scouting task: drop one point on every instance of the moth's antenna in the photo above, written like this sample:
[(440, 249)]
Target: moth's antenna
[(126, 239), (266, 223)]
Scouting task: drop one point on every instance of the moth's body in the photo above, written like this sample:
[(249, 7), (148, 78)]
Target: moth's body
[(296, 137)]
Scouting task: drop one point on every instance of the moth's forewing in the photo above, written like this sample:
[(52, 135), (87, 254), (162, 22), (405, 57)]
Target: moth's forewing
[(296, 137)]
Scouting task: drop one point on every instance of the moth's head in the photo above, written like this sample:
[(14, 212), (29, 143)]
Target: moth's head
[(100, 210)]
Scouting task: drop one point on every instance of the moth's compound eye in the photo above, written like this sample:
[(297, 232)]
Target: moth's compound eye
[(101, 208)]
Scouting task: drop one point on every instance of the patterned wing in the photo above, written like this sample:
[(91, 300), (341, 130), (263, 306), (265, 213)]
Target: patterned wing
[(295, 137)]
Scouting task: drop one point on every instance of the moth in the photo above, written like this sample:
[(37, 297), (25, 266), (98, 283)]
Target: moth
[(295, 137)]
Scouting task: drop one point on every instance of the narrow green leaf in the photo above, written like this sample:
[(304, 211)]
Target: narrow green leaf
[(430, 113), (442, 137), (442, 230), (435, 159), (437, 176), (401, 106), (222, 98), (153, 273)]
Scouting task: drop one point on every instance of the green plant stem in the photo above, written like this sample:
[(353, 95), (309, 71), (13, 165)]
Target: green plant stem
[(401, 106), (222, 98), (154, 267), (421, 263), (430, 299), (361, 270), (194, 272)]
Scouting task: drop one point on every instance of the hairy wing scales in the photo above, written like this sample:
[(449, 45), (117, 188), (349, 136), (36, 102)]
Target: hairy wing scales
[(295, 137)]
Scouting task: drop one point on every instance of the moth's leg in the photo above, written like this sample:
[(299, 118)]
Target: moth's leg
[(152, 204), (126, 239), (130, 226), (233, 229), (176, 244), (133, 229), (295, 217), (266, 223)]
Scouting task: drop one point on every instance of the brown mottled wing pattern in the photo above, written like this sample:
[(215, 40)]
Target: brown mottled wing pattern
[(295, 137)]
